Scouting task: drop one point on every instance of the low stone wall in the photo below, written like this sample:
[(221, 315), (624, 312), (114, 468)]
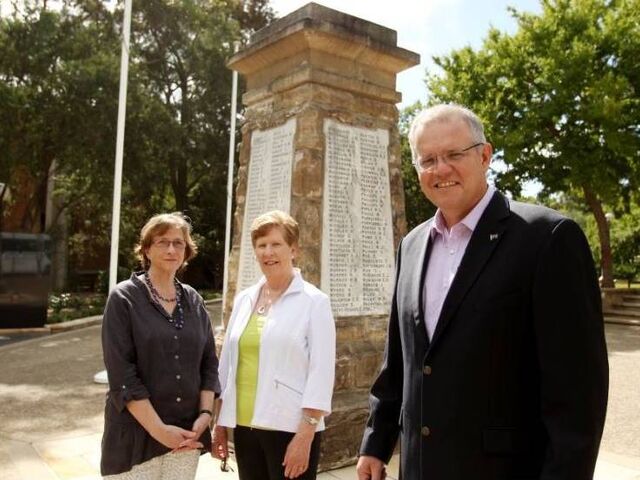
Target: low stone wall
[(611, 297), (214, 309)]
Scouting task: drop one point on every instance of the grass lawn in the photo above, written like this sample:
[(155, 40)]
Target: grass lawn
[(625, 284)]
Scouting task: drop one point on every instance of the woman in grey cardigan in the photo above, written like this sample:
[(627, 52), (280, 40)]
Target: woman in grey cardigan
[(160, 356)]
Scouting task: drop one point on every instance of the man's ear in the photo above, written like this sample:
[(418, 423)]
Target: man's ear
[(487, 154)]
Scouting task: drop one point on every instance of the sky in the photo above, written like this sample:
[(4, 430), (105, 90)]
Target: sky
[(428, 27)]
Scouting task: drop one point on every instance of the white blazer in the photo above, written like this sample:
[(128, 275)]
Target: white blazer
[(297, 357)]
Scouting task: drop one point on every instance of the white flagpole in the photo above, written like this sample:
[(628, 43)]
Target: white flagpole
[(101, 376), (232, 151), (117, 180)]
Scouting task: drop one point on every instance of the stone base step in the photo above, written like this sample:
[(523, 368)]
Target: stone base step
[(630, 304), (622, 320), (620, 312)]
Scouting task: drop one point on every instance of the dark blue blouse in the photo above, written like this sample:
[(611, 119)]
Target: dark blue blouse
[(147, 357)]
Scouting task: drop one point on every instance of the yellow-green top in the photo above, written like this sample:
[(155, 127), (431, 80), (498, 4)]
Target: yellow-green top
[(247, 374)]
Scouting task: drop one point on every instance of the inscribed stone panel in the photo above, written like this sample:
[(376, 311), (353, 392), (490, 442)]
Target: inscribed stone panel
[(357, 238), (268, 188)]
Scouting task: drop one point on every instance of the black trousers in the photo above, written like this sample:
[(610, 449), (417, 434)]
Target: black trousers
[(260, 453)]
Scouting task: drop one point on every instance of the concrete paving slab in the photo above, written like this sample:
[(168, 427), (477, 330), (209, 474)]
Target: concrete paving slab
[(209, 469), (622, 428), (20, 461), (325, 476), (606, 471), (9, 337), (612, 465)]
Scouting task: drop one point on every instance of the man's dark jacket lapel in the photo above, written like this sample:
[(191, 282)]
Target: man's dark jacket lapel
[(422, 259), (485, 238)]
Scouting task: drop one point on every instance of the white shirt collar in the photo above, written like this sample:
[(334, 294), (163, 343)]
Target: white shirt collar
[(439, 226)]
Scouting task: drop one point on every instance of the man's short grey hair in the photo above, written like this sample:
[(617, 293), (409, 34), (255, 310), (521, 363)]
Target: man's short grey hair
[(443, 113)]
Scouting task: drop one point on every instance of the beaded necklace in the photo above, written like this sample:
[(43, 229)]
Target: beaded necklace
[(177, 318)]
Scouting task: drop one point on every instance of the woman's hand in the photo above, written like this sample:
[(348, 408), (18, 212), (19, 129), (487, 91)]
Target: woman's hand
[(198, 428), (175, 437), (296, 458), (168, 435), (219, 444), (201, 424)]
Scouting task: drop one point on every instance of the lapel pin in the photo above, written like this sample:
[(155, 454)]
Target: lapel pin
[(493, 236)]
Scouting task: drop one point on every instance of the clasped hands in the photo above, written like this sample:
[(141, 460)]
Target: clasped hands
[(179, 439)]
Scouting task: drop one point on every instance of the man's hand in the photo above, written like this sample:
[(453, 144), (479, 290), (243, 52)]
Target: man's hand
[(370, 468)]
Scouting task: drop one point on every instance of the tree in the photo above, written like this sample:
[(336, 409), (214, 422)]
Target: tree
[(417, 207), (58, 92), (560, 101), (181, 50), (626, 244), (625, 236), (59, 74)]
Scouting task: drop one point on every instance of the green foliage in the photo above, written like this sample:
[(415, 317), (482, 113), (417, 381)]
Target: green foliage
[(58, 98), (69, 306), (625, 235), (626, 244), (417, 207), (560, 101), (210, 294), (59, 80), (102, 280)]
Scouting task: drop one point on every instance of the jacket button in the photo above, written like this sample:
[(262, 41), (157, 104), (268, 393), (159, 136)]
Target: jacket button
[(178, 399), (426, 370), (425, 431)]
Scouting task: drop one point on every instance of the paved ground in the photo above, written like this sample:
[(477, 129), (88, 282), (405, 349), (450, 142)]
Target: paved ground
[(622, 428), (13, 337), (51, 412)]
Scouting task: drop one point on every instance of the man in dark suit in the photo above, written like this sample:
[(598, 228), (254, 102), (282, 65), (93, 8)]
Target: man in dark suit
[(495, 364)]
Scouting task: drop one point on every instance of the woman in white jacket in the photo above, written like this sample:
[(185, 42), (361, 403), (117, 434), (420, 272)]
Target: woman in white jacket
[(277, 363)]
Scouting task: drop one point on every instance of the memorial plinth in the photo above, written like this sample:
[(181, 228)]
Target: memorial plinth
[(320, 140)]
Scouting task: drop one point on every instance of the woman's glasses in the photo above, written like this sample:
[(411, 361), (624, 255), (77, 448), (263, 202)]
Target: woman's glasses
[(164, 244)]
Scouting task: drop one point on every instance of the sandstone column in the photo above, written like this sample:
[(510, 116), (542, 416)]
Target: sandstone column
[(320, 140)]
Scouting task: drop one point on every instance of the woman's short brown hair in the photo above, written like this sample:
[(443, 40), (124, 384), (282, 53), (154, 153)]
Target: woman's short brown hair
[(159, 224), (275, 218)]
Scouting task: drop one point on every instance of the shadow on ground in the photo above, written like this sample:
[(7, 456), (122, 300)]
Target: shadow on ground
[(46, 386)]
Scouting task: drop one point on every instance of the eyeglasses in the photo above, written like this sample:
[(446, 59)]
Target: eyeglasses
[(428, 164), (164, 244)]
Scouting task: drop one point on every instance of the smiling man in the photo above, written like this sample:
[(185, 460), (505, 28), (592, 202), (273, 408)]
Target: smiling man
[(495, 364)]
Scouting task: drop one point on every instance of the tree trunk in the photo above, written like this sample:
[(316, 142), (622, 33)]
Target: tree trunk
[(606, 258), (56, 225)]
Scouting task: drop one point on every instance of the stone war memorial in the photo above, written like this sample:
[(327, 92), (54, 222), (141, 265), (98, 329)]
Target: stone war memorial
[(320, 141)]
